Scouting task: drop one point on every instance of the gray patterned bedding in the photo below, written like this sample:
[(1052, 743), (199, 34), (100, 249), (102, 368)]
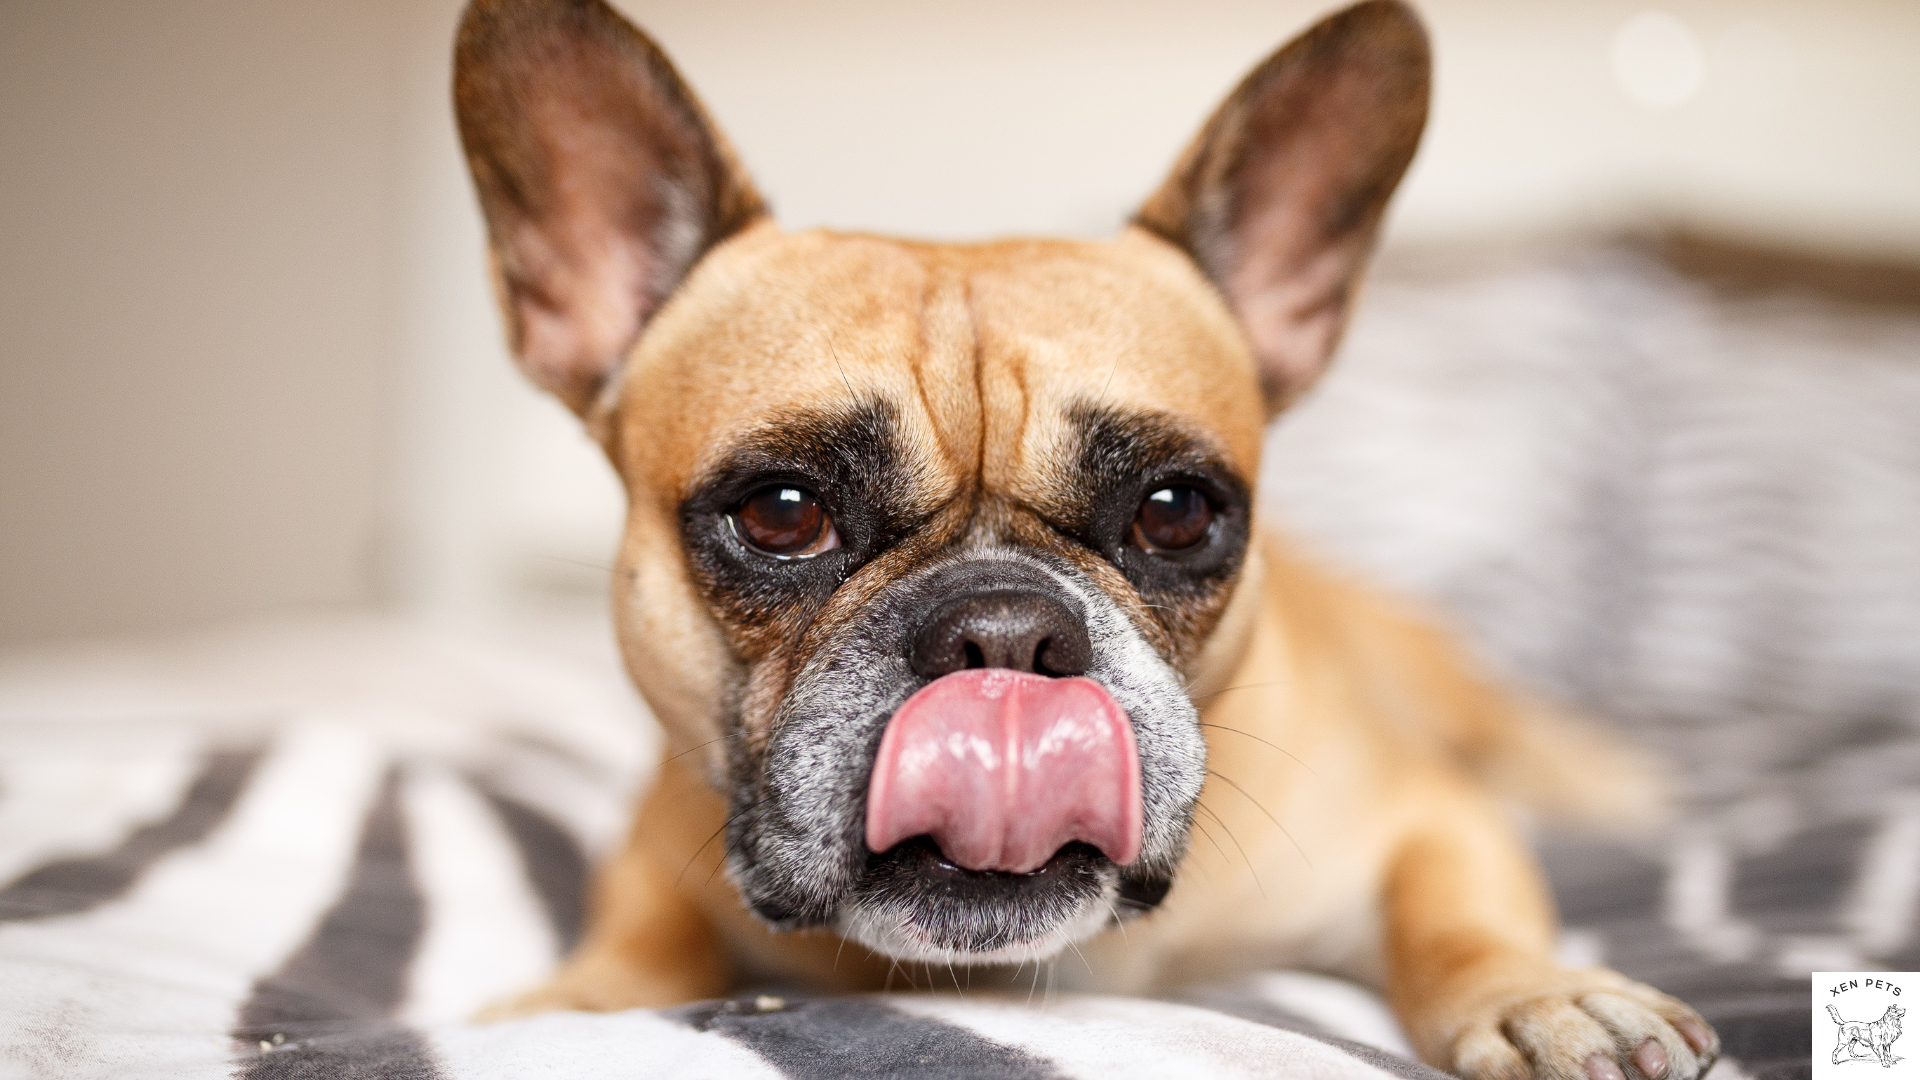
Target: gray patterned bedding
[(313, 850)]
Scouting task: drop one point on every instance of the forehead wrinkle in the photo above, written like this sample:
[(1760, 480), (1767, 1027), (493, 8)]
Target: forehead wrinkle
[(1001, 358), (925, 364)]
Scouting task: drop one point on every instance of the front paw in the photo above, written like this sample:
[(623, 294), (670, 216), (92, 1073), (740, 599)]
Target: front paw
[(1595, 1026), (555, 996)]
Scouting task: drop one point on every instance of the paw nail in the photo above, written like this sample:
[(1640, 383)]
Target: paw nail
[(1652, 1059), (1696, 1034), (1602, 1067)]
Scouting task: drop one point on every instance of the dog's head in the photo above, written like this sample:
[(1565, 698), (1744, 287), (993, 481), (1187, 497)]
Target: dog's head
[(928, 541)]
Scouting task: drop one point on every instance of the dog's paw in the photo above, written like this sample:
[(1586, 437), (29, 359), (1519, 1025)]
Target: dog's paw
[(533, 1002), (601, 982), (1601, 1027)]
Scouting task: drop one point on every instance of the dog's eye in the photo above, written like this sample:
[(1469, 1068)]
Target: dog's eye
[(1172, 519), (786, 522)]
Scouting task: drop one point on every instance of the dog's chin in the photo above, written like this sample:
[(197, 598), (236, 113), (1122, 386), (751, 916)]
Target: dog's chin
[(912, 904)]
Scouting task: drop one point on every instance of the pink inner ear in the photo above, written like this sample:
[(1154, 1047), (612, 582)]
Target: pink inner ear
[(1290, 264), (576, 309), (1293, 314)]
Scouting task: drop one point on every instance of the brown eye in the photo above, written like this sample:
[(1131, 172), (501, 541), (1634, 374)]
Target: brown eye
[(1172, 519), (785, 521)]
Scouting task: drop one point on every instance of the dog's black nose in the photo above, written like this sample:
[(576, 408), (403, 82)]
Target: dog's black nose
[(1025, 631)]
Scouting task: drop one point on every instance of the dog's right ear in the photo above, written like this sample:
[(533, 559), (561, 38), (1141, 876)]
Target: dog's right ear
[(601, 178)]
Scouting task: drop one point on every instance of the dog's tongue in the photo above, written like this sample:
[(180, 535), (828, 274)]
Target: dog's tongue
[(1002, 768)]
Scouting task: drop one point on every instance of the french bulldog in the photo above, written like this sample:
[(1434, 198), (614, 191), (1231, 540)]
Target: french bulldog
[(942, 573)]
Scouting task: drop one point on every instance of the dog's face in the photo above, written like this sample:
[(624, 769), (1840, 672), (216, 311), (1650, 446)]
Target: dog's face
[(926, 542), (854, 463)]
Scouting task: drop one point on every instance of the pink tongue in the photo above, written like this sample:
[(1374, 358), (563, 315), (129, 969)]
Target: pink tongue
[(1002, 768)]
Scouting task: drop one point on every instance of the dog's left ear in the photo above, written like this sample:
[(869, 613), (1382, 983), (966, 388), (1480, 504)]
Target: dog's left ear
[(1280, 196), (601, 177)]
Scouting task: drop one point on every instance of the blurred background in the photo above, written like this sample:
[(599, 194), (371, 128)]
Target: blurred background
[(251, 366), (1632, 399)]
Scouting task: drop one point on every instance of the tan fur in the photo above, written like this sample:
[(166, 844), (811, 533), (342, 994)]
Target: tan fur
[(1353, 821)]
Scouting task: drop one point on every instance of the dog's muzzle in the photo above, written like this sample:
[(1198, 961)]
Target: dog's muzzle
[(988, 765)]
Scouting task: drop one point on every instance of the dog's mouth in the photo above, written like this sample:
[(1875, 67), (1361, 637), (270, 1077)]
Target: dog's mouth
[(916, 903)]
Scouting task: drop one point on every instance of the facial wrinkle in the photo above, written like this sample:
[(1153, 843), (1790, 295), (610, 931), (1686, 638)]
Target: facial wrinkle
[(1011, 444)]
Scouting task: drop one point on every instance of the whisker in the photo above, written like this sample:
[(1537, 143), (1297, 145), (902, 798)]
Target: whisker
[(1258, 739), (708, 743), (1083, 958), (1199, 867), (1242, 686), (589, 564), (835, 353), (1276, 821), (717, 832), (1210, 839), (1258, 885), (1117, 921), (726, 850)]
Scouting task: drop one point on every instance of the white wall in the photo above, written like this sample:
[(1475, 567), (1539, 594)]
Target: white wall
[(967, 120), (250, 363), (192, 327)]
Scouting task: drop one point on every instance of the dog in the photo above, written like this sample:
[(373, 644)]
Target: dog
[(941, 574), (1858, 1039)]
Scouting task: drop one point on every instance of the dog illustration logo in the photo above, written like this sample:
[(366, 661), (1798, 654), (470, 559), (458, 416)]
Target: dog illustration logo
[(1843, 1033), (1860, 1040)]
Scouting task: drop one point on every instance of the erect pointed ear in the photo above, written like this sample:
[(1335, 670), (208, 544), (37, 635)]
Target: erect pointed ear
[(601, 178), (1280, 196)]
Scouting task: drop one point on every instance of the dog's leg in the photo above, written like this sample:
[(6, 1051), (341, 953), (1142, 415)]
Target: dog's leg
[(1469, 933), (647, 941)]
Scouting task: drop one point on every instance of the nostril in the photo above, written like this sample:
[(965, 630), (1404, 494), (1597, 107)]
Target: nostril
[(1018, 630), (1064, 655), (1043, 658)]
